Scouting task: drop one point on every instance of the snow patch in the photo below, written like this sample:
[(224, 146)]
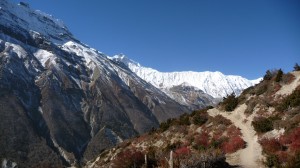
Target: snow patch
[(44, 56)]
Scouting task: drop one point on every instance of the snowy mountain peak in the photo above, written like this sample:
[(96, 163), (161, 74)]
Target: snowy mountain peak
[(17, 20), (125, 60), (215, 84)]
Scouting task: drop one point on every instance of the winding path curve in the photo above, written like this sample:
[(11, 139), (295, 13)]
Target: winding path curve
[(251, 156)]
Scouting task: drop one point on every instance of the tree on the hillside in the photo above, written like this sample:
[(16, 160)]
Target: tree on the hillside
[(296, 67), (279, 75), (268, 75)]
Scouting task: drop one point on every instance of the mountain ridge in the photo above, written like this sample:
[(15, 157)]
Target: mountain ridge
[(69, 100), (215, 84)]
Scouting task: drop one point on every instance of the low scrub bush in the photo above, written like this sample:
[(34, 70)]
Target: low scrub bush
[(129, 158), (233, 144), (201, 141), (293, 100), (184, 120), (261, 88), (220, 120), (262, 124), (230, 102), (270, 146), (251, 105), (288, 78), (200, 119), (165, 125)]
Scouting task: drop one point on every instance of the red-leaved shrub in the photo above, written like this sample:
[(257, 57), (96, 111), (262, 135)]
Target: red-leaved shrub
[(202, 139), (233, 144), (270, 146), (183, 151), (233, 131), (129, 158)]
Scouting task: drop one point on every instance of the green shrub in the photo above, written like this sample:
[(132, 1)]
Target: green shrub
[(200, 119), (262, 124), (184, 120), (165, 125), (230, 102), (293, 100), (272, 161), (249, 90), (220, 120), (295, 161), (250, 106), (261, 88)]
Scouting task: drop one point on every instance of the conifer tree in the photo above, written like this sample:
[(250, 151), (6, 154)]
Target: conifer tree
[(296, 67), (279, 75), (268, 75)]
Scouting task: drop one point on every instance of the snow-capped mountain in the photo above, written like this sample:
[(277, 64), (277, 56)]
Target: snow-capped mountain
[(215, 84), (63, 102)]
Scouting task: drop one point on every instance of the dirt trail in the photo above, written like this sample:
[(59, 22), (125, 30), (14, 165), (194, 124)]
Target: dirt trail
[(250, 156)]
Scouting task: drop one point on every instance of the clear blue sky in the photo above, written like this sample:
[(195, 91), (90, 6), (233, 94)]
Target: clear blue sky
[(240, 37)]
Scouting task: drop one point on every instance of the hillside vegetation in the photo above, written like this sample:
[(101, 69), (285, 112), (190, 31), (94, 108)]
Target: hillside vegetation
[(195, 140), (259, 128)]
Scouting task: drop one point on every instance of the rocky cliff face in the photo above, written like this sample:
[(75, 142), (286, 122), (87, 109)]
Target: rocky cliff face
[(63, 102), (190, 96)]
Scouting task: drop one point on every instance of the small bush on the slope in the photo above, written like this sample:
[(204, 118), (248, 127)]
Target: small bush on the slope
[(262, 124), (184, 119), (129, 158), (220, 120), (292, 140), (201, 141), (182, 152), (288, 78), (261, 88), (293, 100), (249, 90), (272, 161), (165, 125), (200, 119), (270, 146), (233, 144), (230, 102), (250, 105), (283, 152)]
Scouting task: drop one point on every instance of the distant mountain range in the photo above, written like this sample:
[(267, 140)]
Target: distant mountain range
[(62, 102), (215, 84), (194, 89)]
